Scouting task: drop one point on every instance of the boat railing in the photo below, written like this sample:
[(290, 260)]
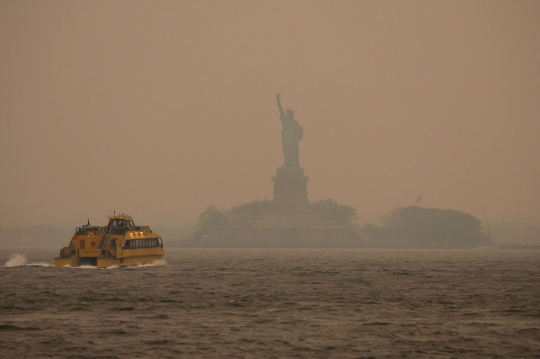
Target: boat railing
[(88, 229), (118, 230), (139, 228)]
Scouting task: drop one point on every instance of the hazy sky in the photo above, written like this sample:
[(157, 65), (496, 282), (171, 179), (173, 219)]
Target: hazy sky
[(162, 108)]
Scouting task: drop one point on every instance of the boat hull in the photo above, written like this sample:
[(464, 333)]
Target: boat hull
[(107, 262)]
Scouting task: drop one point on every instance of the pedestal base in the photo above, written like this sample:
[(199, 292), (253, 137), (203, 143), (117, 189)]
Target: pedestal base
[(290, 191)]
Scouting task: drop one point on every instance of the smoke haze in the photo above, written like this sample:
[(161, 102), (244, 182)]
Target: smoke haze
[(161, 108)]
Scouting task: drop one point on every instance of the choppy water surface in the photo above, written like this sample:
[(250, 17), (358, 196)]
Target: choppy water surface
[(274, 303)]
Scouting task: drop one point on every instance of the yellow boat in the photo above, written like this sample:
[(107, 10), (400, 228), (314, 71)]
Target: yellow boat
[(120, 243)]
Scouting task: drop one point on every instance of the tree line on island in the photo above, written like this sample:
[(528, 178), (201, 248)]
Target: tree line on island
[(408, 226), (328, 209), (429, 227)]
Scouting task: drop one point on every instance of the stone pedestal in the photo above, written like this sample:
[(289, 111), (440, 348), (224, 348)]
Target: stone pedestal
[(290, 190)]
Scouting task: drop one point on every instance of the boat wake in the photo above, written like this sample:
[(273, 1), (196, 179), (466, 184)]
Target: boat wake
[(88, 266), (157, 262), (18, 260)]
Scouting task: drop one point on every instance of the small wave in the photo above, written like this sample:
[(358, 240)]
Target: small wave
[(157, 262), (14, 328), (114, 266), (86, 266), (17, 260), (41, 264)]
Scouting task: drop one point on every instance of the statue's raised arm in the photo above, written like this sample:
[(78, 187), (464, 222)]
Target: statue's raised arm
[(282, 114)]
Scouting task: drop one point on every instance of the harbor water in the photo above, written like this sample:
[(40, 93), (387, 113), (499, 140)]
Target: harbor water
[(274, 303)]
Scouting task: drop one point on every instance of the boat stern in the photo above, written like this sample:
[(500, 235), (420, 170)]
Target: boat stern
[(66, 262)]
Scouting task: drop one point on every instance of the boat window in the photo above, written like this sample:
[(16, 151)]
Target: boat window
[(143, 243)]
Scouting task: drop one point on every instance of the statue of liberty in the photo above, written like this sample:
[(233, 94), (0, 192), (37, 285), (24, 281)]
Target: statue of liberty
[(291, 134)]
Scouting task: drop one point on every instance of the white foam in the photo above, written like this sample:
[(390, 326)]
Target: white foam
[(16, 260), (157, 262), (41, 264), (86, 266)]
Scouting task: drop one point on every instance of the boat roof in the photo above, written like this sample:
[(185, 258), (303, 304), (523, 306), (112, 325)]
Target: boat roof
[(124, 216)]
